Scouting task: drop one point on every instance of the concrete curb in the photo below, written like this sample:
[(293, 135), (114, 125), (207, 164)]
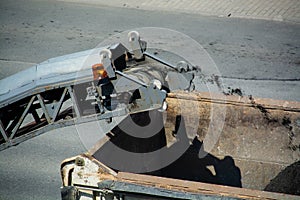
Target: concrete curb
[(276, 10)]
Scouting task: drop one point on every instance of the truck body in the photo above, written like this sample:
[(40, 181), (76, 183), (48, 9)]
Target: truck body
[(255, 152)]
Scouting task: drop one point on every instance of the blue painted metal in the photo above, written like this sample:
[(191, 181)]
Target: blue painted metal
[(53, 73)]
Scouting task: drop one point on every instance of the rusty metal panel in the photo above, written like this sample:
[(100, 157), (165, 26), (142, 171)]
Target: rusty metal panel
[(261, 135), (257, 143)]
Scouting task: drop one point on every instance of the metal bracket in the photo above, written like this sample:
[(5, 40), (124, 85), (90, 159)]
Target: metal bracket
[(105, 59), (99, 99), (137, 45), (183, 66)]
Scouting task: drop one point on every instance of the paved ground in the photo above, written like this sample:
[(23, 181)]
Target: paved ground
[(32, 169), (261, 57), (278, 10)]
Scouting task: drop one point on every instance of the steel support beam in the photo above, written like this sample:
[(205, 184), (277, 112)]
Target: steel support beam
[(132, 79), (3, 131), (35, 116), (57, 108), (22, 118), (75, 106), (160, 60), (40, 98)]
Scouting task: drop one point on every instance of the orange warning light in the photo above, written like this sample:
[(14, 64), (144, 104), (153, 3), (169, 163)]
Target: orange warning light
[(99, 71)]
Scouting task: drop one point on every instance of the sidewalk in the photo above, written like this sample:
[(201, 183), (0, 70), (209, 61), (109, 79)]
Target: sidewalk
[(278, 10)]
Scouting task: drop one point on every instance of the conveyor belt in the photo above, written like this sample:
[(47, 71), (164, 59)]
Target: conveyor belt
[(54, 94)]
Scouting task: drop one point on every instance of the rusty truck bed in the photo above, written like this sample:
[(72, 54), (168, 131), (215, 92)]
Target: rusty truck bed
[(254, 150)]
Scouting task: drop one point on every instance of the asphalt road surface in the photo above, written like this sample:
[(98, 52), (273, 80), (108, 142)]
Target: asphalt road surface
[(260, 57)]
